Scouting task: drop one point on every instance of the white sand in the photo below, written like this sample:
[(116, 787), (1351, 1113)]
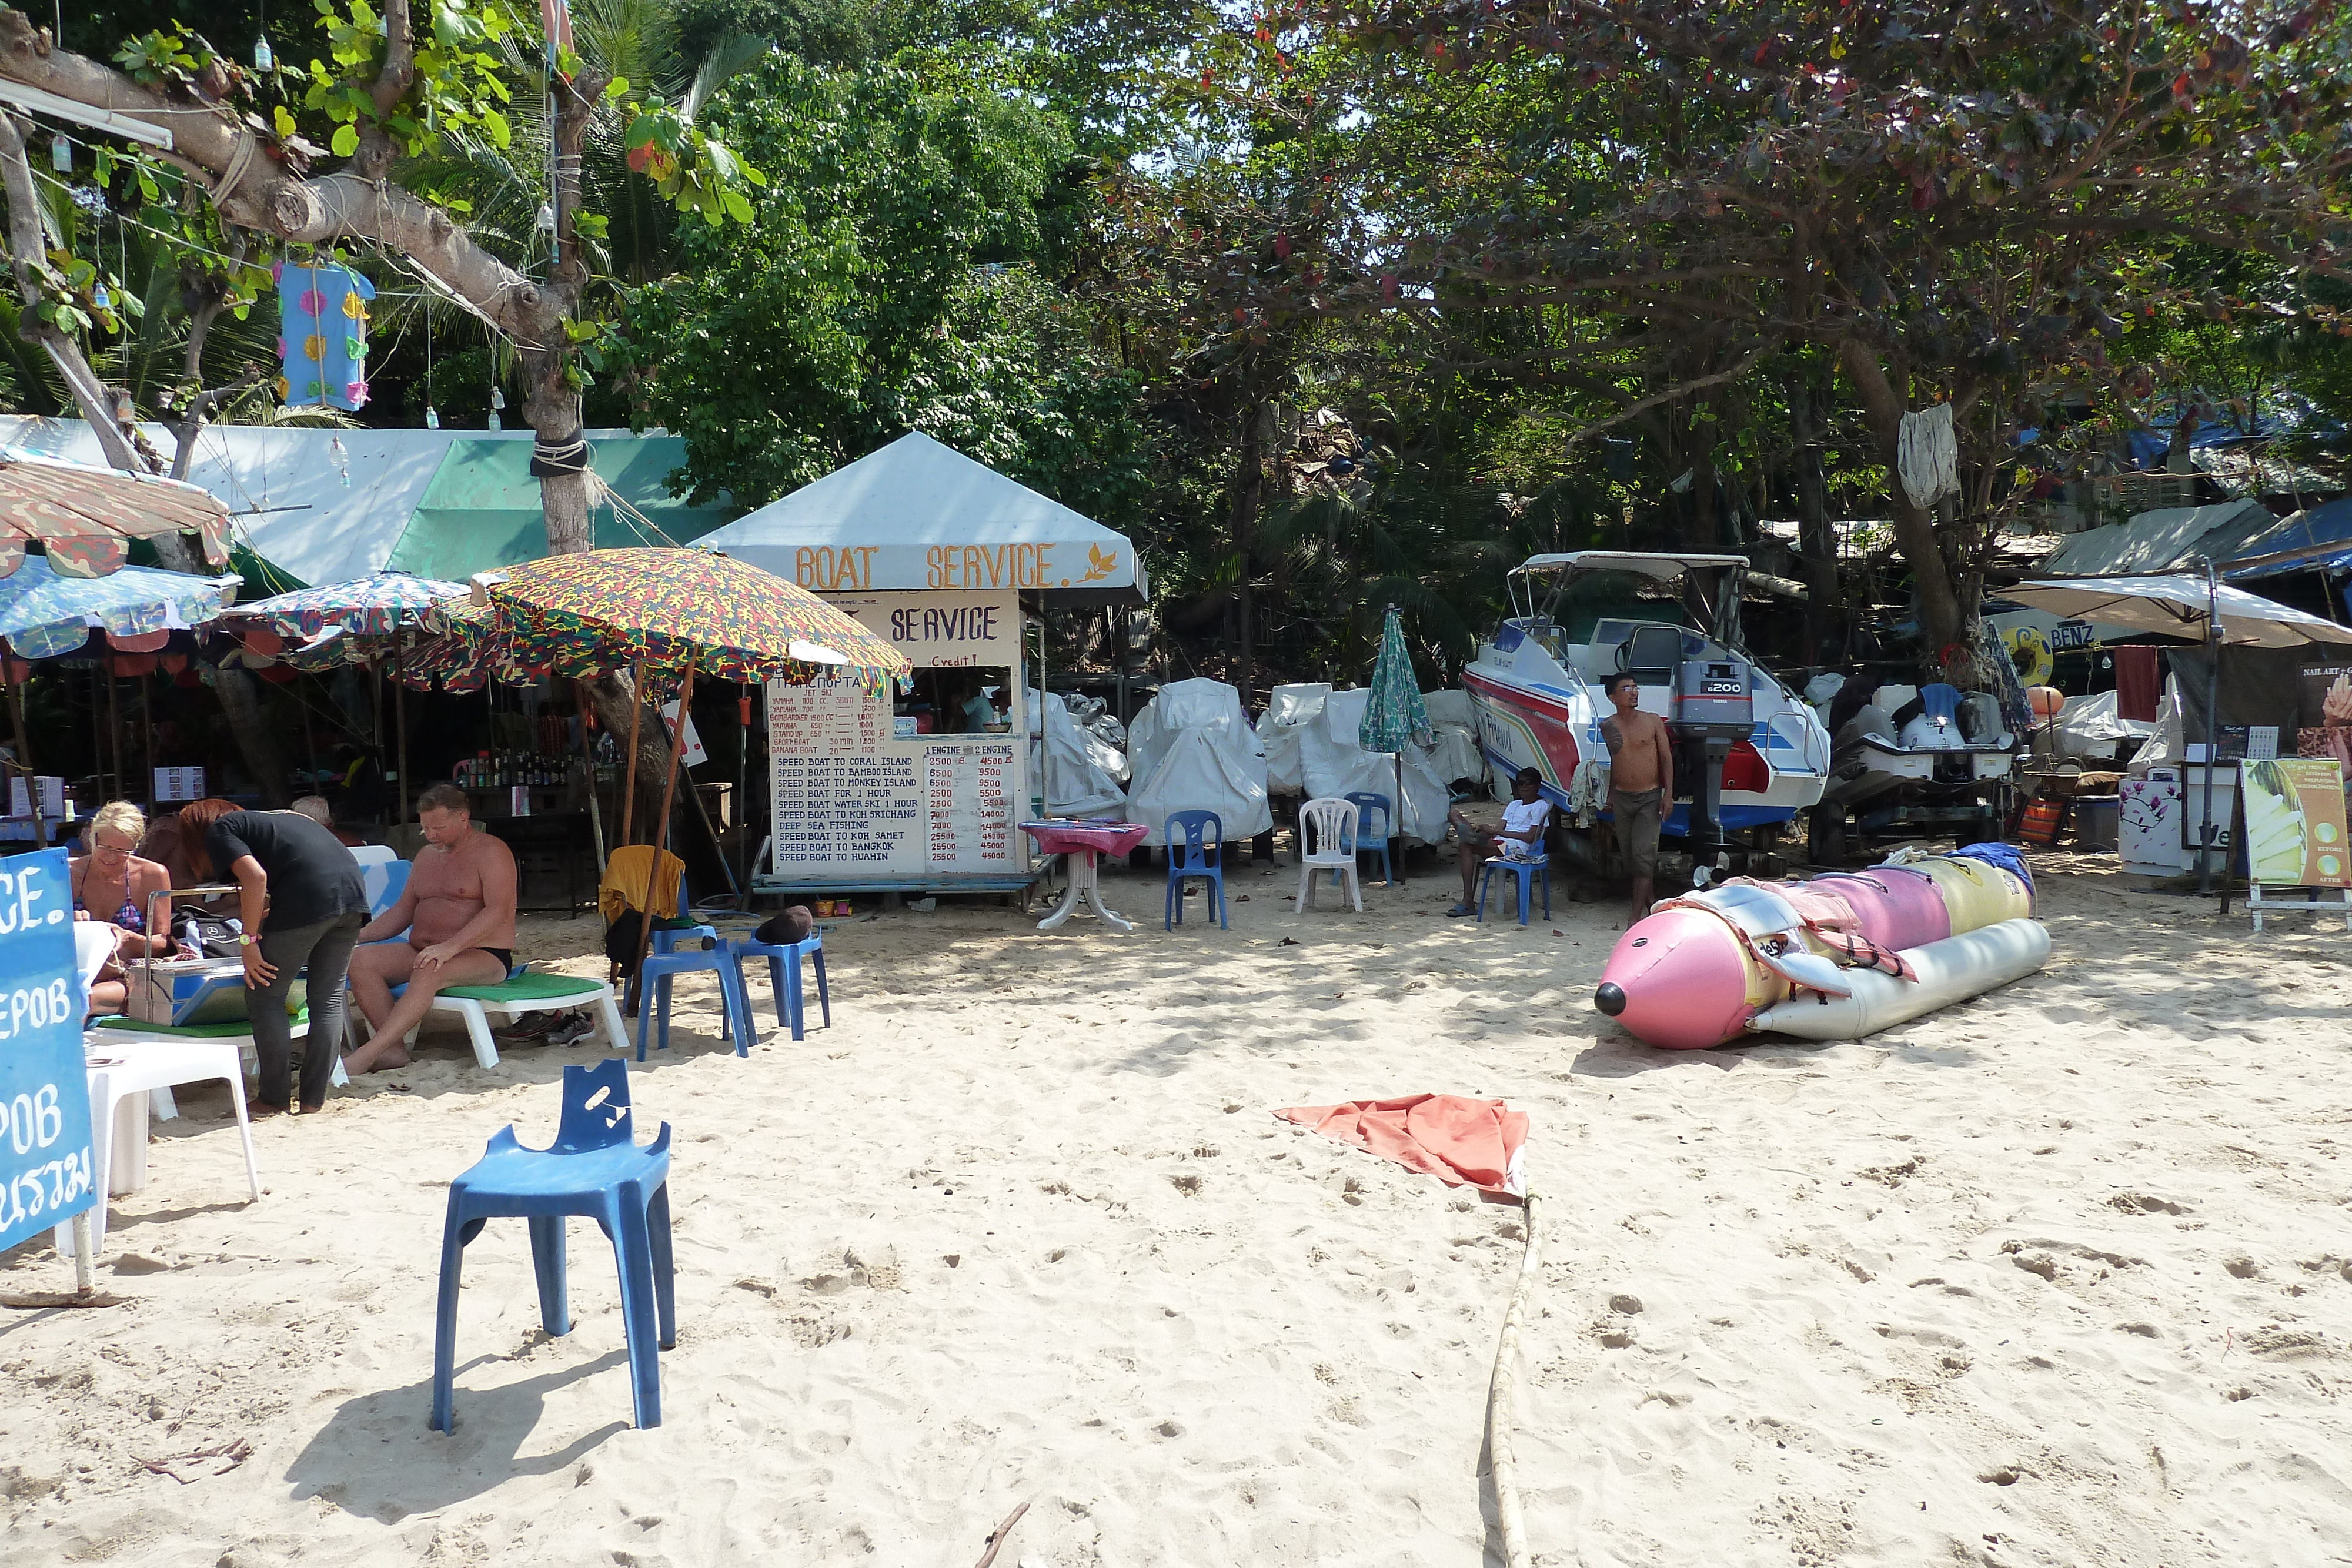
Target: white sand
[(2059, 1277)]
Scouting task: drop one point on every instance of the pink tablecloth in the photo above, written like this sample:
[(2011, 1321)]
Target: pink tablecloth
[(1064, 836)]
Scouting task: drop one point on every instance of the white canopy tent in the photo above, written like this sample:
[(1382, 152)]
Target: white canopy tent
[(920, 517)]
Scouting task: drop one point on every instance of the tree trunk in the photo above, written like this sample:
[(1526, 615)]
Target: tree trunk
[(554, 410), (1249, 478), (1817, 543), (1943, 619)]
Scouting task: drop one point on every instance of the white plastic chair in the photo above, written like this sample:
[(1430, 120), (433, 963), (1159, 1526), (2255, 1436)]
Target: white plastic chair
[(1331, 823), (123, 1076)]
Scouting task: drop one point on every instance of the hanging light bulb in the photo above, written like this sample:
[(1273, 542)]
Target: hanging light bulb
[(432, 417), (262, 59), (100, 299), (61, 154), (123, 411), (496, 424), (497, 398)]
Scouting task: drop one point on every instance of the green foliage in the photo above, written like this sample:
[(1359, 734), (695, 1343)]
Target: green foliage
[(884, 283)]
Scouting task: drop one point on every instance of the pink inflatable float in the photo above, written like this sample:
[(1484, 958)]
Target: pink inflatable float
[(1836, 957)]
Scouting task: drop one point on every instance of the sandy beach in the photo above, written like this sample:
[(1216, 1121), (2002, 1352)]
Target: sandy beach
[(2061, 1276)]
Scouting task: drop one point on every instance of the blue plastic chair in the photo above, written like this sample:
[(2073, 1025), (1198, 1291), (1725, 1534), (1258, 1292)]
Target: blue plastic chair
[(1367, 842), (785, 979), (1196, 847), (1527, 869), (594, 1169), (671, 955)]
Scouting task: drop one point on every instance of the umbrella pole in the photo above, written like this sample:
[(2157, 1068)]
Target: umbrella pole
[(147, 737), (25, 765), (113, 724), (2212, 728), (669, 793), (742, 791), (588, 755), (399, 725), (629, 758)]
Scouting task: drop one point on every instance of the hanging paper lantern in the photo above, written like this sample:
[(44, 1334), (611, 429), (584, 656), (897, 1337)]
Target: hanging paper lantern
[(322, 319)]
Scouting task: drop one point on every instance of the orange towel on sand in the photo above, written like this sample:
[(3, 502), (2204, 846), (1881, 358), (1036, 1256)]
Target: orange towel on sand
[(1461, 1141)]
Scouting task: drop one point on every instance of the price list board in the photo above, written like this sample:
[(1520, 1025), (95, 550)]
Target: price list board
[(852, 800)]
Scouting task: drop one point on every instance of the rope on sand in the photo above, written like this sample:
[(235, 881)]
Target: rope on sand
[(1500, 1462)]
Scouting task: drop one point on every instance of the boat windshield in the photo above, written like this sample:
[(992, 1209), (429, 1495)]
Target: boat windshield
[(1577, 600)]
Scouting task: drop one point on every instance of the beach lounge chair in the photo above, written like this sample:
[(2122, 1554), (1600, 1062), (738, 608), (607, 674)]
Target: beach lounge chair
[(596, 1169), (1331, 823)]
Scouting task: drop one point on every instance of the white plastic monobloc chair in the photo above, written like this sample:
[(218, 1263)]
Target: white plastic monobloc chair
[(124, 1074), (1331, 823)]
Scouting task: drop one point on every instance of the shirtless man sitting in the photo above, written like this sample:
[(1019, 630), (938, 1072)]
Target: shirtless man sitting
[(459, 912), (1640, 784)]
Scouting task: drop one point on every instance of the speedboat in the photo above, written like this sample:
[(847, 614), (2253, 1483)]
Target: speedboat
[(1750, 753)]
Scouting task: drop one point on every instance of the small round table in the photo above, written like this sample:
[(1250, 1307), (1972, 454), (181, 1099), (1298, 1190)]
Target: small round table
[(1082, 842)]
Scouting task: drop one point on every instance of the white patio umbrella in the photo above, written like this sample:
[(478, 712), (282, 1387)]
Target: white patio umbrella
[(2179, 604)]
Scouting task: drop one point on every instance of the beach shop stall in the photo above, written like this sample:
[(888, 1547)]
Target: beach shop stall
[(918, 789)]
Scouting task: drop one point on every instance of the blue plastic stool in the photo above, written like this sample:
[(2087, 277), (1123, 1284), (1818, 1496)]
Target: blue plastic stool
[(661, 967), (1196, 847), (1526, 870), (596, 1169), (783, 978), (1367, 842)]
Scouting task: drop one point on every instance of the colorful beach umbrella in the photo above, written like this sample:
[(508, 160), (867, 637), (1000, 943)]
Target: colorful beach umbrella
[(378, 605), (85, 518), (43, 614), (674, 609)]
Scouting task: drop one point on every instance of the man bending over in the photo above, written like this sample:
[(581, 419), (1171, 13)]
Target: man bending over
[(459, 912), (1640, 785)]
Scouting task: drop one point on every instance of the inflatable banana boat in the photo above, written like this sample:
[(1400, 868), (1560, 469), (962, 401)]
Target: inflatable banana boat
[(1836, 957)]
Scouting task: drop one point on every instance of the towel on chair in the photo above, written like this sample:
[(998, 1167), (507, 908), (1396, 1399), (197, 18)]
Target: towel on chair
[(1461, 1141)]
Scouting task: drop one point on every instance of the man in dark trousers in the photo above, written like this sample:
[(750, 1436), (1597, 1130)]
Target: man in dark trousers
[(1640, 784), (301, 900)]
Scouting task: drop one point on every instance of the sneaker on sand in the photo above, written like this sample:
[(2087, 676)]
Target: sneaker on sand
[(530, 1026)]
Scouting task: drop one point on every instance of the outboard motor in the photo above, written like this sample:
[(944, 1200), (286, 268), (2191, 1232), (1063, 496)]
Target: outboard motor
[(1715, 705)]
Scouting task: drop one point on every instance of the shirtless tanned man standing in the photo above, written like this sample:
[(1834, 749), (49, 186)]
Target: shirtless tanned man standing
[(459, 912), (1640, 784)]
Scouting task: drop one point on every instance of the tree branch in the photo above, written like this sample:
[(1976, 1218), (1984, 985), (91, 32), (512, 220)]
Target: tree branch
[(1672, 394), (27, 261)]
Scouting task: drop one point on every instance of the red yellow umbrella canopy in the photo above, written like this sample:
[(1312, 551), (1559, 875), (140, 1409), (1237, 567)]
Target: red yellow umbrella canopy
[(85, 518), (672, 609)]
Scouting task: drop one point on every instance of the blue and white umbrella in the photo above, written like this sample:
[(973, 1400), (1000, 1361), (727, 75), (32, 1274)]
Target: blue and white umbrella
[(43, 614)]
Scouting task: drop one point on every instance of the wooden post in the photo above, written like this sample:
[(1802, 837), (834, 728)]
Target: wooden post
[(25, 763), (147, 739), (113, 723), (629, 758), (669, 794), (588, 755), (399, 725)]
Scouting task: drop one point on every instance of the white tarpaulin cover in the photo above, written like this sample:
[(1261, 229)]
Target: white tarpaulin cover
[(1288, 711), (1455, 753), (1334, 763), (1191, 750), (2089, 729), (1077, 783)]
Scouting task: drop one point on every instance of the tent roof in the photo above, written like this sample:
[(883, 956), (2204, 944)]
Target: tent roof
[(289, 505), (920, 515), (2176, 605), (482, 510), (2153, 541), (2304, 538)]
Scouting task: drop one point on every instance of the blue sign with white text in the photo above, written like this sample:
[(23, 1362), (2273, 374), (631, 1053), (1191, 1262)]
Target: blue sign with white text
[(46, 1172)]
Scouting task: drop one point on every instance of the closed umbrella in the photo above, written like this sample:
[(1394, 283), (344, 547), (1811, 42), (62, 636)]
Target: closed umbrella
[(1394, 716), (85, 518)]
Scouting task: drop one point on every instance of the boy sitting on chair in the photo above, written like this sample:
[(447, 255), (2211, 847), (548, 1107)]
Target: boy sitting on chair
[(459, 912), (1524, 817)]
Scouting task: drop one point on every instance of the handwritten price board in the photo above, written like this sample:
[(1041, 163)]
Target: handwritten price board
[(46, 1172)]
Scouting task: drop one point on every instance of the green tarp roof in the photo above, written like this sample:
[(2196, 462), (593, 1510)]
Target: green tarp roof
[(481, 510)]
